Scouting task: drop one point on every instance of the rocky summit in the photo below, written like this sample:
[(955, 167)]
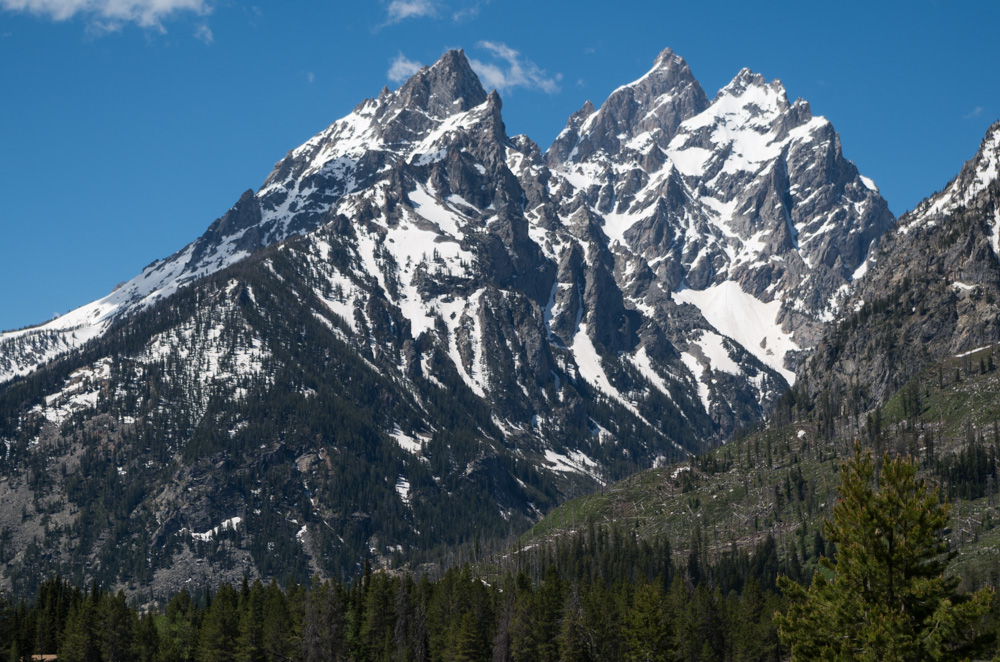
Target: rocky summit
[(420, 331)]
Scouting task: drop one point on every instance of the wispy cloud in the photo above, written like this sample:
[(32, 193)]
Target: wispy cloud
[(508, 69), (110, 15), (311, 77), (397, 11), (972, 114), (400, 10), (204, 33), (402, 68), (469, 11)]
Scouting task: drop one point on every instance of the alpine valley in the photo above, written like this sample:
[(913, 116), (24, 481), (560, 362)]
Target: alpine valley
[(420, 334)]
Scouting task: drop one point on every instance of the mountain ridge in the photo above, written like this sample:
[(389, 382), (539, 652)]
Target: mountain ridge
[(416, 313)]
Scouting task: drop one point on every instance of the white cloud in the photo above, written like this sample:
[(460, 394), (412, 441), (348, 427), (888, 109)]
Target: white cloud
[(204, 33), (975, 112), (402, 68), (109, 14), (400, 10), (311, 77), (470, 11), (509, 70)]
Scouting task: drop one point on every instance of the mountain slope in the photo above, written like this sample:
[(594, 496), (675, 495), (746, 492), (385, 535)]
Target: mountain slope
[(932, 288), (746, 190)]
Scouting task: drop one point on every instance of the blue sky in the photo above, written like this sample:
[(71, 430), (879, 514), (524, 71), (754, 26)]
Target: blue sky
[(127, 126)]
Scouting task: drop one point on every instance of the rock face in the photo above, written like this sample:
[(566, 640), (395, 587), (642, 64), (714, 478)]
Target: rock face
[(420, 330), (932, 288), (747, 197)]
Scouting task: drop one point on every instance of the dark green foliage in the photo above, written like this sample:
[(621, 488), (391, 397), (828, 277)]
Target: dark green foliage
[(888, 598), (599, 596)]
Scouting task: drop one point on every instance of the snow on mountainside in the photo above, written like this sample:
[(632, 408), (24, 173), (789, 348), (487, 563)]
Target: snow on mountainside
[(417, 314), (294, 199), (975, 177), (743, 207), (638, 221)]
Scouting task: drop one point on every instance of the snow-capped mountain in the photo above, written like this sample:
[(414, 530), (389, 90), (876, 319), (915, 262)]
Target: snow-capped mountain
[(742, 206), (417, 316)]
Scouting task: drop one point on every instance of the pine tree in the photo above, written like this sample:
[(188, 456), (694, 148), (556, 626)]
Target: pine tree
[(81, 642), (645, 635), (575, 642), (470, 642), (278, 625), (178, 636), (147, 638), (117, 629), (250, 646), (888, 598), (221, 627)]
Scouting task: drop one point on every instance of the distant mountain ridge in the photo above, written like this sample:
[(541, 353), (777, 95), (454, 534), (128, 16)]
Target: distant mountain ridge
[(418, 318)]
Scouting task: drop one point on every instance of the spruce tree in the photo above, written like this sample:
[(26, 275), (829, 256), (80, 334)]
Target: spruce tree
[(888, 597)]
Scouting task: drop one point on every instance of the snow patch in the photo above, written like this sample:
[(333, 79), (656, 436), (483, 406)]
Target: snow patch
[(747, 320), (403, 489), (229, 524), (574, 462)]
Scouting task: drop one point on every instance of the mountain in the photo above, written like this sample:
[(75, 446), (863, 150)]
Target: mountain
[(932, 288), (908, 367), (420, 331)]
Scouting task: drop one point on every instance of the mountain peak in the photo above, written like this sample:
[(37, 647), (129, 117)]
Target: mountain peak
[(747, 79), (659, 101), (750, 89), (669, 72), (666, 55), (989, 149), (448, 86)]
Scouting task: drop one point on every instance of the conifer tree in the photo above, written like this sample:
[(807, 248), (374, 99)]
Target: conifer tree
[(221, 628), (888, 598), (250, 646), (574, 638), (646, 636), (81, 642), (147, 638), (117, 629)]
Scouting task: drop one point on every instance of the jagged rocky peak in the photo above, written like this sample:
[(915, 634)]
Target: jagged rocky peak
[(749, 103), (746, 198), (447, 87), (387, 128), (747, 79), (414, 124), (655, 104)]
